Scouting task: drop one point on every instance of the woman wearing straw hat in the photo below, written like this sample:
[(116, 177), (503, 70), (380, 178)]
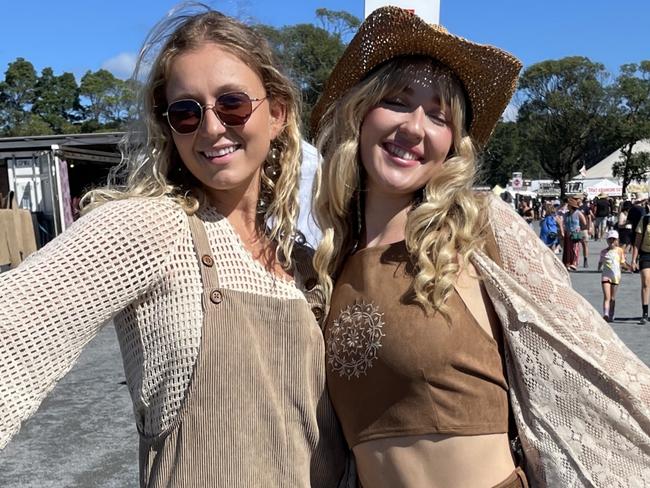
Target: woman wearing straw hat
[(452, 330), (195, 259)]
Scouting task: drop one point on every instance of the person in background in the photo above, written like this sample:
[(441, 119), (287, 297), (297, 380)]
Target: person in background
[(624, 227), (586, 230), (641, 262), (550, 228), (526, 211), (601, 212), (636, 212), (573, 225), (612, 260)]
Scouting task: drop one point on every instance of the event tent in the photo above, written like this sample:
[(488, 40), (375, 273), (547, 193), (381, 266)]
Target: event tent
[(604, 186), (603, 169)]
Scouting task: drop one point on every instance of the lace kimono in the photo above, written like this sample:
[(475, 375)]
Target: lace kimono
[(580, 397)]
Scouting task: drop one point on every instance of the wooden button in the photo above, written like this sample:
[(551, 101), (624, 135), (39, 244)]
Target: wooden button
[(216, 297), (207, 260), (310, 283), (318, 313)]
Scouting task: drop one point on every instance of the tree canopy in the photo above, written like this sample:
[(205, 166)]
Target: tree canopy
[(571, 112)]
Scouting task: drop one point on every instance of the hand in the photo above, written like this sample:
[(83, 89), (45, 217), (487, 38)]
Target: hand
[(634, 266)]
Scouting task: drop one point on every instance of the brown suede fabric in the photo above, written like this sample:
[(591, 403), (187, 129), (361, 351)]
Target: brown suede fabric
[(393, 370), (516, 480)]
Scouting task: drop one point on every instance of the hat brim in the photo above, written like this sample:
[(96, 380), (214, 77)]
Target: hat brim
[(488, 74)]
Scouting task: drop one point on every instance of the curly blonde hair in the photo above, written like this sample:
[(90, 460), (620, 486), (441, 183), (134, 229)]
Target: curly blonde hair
[(151, 166), (443, 229)]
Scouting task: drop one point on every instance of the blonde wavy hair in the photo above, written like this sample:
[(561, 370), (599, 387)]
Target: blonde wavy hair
[(443, 229), (151, 166)]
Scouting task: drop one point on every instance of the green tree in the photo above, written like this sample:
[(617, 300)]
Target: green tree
[(109, 101), (308, 52), (339, 23), (57, 101), (563, 114), (506, 153), (632, 98), (17, 93)]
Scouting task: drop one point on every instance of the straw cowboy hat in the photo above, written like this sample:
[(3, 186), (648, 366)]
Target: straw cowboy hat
[(488, 74)]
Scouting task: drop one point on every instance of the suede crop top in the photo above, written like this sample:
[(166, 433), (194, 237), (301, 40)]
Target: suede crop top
[(393, 370)]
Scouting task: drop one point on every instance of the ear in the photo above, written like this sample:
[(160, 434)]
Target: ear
[(278, 117)]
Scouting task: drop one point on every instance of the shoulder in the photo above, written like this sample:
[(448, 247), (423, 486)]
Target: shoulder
[(496, 210), (138, 213), (152, 226)]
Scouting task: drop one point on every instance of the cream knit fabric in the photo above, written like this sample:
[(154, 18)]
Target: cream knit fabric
[(580, 397), (131, 260)]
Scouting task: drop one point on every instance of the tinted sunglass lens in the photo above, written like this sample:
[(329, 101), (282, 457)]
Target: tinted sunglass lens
[(234, 109), (184, 116)]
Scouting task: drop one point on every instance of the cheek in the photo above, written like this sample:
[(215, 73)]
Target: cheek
[(441, 140)]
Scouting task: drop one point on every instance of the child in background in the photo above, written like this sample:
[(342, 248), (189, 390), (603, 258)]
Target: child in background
[(611, 260)]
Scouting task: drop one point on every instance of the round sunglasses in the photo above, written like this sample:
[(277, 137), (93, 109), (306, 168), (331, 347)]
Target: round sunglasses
[(233, 110)]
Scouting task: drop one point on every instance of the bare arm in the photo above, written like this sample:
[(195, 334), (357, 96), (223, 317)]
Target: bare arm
[(635, 251)]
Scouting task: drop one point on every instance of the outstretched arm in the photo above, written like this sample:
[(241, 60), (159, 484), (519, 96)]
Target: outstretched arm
[(58, 299)]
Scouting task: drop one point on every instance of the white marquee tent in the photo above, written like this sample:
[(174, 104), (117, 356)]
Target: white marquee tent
[(603, 169)]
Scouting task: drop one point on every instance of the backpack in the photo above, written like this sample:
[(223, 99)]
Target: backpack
[(551, 226)]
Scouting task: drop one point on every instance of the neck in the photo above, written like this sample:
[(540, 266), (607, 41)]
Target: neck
[(239, 206), (385, 218)]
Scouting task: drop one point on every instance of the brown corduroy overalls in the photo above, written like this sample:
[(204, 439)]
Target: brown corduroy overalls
[(256, 412)]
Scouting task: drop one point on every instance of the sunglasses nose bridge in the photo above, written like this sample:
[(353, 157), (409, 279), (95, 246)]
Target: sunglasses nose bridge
[(215, 113)]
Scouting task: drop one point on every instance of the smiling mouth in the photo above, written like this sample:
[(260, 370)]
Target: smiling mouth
[(399, 152), (221, 151)]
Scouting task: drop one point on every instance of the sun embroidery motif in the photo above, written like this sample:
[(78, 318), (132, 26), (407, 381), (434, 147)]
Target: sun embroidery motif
[(355, 339)]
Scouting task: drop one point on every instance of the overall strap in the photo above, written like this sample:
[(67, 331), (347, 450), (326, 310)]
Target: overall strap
[(209, 275)]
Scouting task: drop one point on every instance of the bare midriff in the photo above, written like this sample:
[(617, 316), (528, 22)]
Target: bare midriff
[(434, 461)]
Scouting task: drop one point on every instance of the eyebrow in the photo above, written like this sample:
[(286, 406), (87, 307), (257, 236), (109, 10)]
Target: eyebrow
[(436, 98), (226, 88)]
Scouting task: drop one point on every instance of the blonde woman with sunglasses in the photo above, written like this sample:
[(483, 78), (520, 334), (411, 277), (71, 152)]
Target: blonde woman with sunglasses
[(458, 355), (194, 258)]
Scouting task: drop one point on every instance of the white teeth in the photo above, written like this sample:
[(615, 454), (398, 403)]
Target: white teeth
[(400, 153), (221, 152)]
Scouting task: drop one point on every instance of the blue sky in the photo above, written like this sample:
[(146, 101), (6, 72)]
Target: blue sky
[(75, 35)]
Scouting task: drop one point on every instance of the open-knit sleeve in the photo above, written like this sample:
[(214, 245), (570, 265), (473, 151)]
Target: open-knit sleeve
[(56, 301)]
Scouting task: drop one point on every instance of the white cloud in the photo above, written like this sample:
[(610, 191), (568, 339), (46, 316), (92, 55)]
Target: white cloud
[(121, 65)]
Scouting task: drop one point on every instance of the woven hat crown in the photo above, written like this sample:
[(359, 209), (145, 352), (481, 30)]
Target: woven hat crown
[(488, 74)]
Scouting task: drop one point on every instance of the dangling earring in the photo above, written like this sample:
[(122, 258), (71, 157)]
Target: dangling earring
[(271, 170), (359, 203), (272, 163)]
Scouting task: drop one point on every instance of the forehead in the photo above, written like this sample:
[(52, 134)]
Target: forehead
[(425, 78), (207, 70)]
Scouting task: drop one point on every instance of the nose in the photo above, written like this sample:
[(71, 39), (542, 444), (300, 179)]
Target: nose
[(211, 124), (412, 128)]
